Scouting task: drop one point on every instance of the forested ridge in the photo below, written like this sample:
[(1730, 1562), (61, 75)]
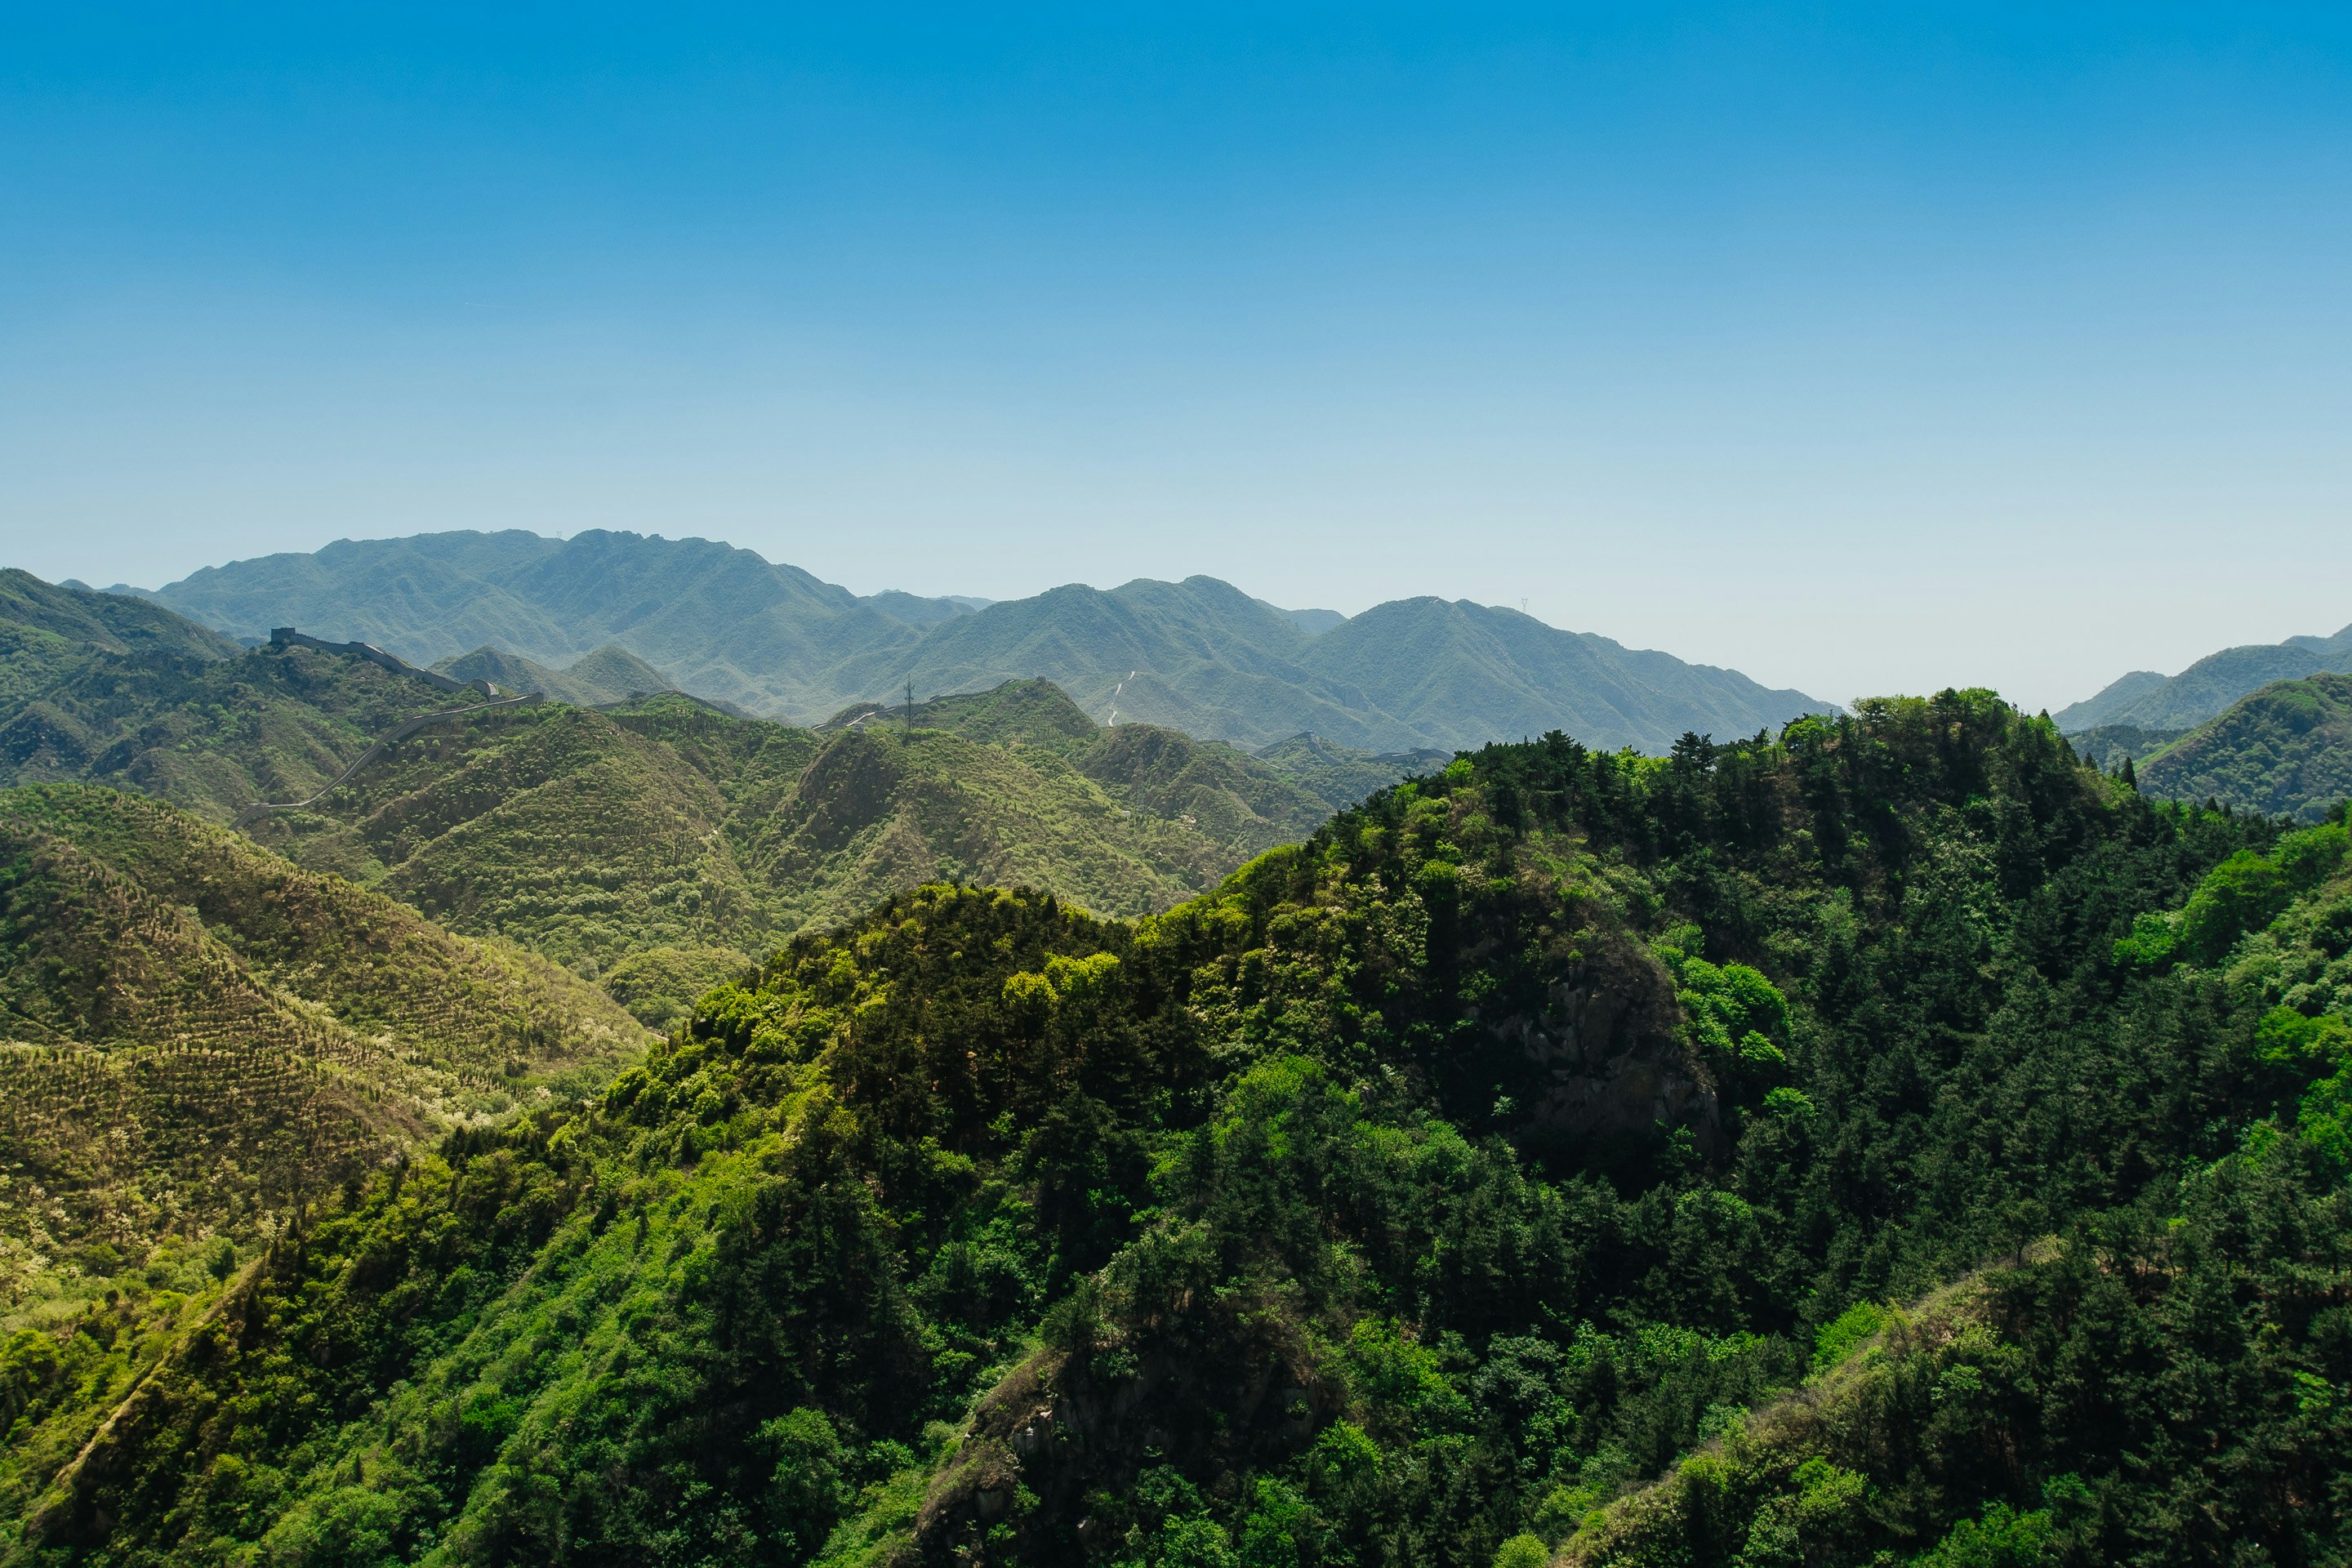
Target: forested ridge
[(656, 842), (1893, 1141)]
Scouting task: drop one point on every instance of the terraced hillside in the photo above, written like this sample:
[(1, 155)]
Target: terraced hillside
[(201, 1033)]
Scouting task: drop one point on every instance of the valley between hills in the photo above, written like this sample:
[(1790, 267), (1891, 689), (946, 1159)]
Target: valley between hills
[(708, 1114)]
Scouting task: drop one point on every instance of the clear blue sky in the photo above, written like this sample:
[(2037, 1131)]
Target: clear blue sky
[(1865, 348)]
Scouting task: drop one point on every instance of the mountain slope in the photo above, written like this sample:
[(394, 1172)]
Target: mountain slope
[(718, 620), (588, 835), (2106, 745), (1466, 674), (2285, 751), (207, 1033), (1340, 777), (1197, 656), (2202, 691), (213, 735), (608, 675), (49, 632), (1421, 1190), (670, 824)]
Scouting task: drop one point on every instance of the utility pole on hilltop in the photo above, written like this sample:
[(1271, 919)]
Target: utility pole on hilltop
[(911, 708)]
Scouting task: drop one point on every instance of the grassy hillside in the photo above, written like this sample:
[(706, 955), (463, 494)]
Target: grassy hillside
[(1199, 656), (2285, 751), (203, 1033), (1407, 1200)]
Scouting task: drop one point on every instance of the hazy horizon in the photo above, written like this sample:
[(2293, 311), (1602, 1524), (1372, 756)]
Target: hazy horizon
[(1843, 698), (1858, 352)]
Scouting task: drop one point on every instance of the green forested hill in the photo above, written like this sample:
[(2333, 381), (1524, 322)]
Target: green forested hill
[(591, 835), (204, 1034), (1199, 656), (2153, 701), (662, 824), (1340, 777), (46, 631), (1408, 1199), (213, 734), (2107, 746), (2285, 751)]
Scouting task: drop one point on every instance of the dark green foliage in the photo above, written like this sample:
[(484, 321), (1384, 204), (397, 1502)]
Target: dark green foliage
[(1417, 1192), (2167, 1386)]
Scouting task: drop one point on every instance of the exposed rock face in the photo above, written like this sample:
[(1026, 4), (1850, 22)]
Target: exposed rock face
[(1610, 1057)]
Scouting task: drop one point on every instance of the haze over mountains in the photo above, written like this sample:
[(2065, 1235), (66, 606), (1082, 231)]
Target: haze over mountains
[(1199, 656), (1426, 1182), (2148, 701), (655, 821)]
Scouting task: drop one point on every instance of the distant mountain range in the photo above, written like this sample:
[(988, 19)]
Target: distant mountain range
[(1199, 656), (654, 822), (2147, 700)]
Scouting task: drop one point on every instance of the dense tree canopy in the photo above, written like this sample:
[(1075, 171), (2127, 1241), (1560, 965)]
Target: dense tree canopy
[(1896, 1141)]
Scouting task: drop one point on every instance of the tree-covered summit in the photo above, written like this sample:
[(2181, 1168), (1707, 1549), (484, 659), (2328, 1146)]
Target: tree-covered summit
[(1407, 1198)]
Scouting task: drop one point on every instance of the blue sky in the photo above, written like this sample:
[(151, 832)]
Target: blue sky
[(1860, 351)]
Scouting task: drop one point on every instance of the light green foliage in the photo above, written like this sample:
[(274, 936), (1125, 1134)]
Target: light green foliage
[(1523, 1551), (1846, 1333), (2241, 895), (2002, 1538), (1738, 1019), (661, 984)]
